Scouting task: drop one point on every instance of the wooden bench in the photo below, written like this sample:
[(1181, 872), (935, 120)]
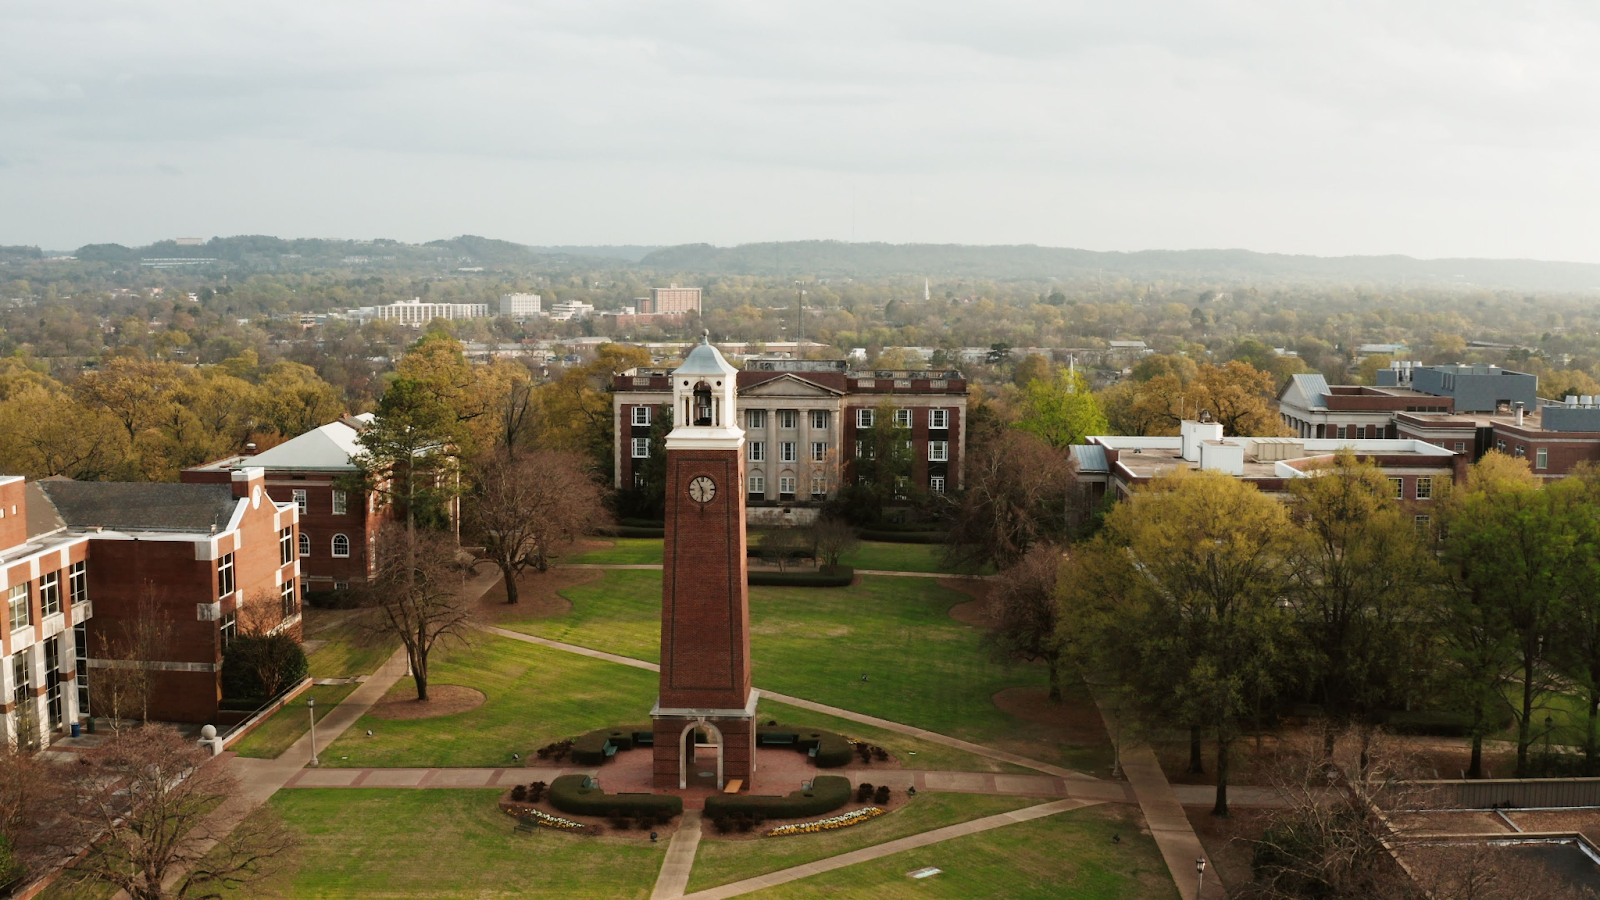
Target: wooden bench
[(524, 825), (734, 786)]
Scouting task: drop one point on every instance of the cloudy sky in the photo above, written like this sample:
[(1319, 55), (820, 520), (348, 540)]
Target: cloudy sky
[(1432, 129)]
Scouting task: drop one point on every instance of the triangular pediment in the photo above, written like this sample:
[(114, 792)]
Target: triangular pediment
[(789, 385)]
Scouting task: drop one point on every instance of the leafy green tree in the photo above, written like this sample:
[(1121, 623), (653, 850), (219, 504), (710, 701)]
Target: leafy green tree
[(881, 468), (1061, 410), (1025, 614)]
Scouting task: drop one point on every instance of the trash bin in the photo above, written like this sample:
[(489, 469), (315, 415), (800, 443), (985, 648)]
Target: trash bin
[(77, 730)]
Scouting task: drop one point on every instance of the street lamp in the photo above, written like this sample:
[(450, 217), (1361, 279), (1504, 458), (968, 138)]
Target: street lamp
[(1200, 873), (311, 709)]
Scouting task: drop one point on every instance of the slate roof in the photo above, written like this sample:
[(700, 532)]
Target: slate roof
[(1090, 457), (330, 447), (142, 506), (1315, 387)]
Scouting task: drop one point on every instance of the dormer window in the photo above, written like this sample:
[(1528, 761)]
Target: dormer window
[(702, 404)]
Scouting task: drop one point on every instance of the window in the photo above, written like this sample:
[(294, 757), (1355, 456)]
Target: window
[(50, 594), (901, 485), (341, 585), (52, 681), (305, 545), (225, 575), (819, 487), (1541, 458), (287, 597), (341, 546), (1521, 451), (338, 503), (788, 418), (1461, 446), (756, 451), (78, 582), (819, 451), (864, 451), (80, 642), (863, 418), (1424, 488), (1422, 522), (300, 500), (938, 418), (819, 418), (936, 484), (1338, 432), (786, 487), (286, 546), (755, 418), (902, 418), (638, 479), (758, 487), (641, 448), (19, 608), (641, 415), (229, 629), (938, 451), (1397, 488), (788, 451)]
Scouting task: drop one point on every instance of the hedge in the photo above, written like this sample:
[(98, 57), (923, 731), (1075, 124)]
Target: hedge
[(833, 750), (827, 793), (590, 749), (241, 678), (568, 794), (903, 537), (827, 576), (642, 523), (632, 531)]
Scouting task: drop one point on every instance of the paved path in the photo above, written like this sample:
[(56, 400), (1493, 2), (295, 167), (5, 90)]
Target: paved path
[(675, 869), (889, 572), (931, 737), (1164, 815), (879, 851), (656, 566)]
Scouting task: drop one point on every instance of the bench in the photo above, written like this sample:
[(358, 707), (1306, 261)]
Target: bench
[(524, 826), (644, 738), (812, 752), (610, 750), (734, 786), (772, 740)]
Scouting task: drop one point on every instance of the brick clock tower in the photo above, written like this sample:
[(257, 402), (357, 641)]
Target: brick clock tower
[(705, 714)]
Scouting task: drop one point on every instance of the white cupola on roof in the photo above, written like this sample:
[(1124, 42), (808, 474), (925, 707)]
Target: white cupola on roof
[(703, 392)]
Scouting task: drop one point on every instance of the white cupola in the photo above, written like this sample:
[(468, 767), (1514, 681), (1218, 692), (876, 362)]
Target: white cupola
[(703, 392)]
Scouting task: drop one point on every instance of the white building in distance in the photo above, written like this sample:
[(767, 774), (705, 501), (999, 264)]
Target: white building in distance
[(562, 310), (417, 313), (520, 306)]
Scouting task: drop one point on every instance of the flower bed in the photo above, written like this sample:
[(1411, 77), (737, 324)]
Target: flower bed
[(832, 823), (547, 820)]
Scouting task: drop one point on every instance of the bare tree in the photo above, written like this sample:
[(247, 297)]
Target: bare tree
[(833, 538), (417, 590), (1019, 492), (526, 505), (141, 804), (780, 546), (1026, 614), (124, 679), (32, 803)]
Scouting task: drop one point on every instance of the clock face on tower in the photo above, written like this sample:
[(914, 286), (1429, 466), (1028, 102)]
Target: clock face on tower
[(702, 489)]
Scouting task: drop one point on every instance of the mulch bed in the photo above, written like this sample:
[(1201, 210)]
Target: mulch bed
[(1075, 719), (973, 612), (443, 700)]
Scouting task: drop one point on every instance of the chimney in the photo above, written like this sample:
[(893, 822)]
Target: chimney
[(249, 449), (246, 478), (1519, 405)]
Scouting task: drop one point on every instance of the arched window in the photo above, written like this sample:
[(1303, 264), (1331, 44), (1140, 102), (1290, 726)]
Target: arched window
[(341, 545), (305, 545)]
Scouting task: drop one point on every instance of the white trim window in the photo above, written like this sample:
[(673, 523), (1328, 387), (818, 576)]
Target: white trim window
[(339, 506), (641, 415), (305, 545), (786, 487), (1541, 458), (1422, 522), (1424, 488), (341, 546), (18, 609), (229, 628), (756, 451), (286, 546), (300, 500), (755, 418), (902, 418), (938, 451), (788, 418), (788, 451), (1397, 488), (863, 418), (819, 487), (1461, 446), (288, 599), (50, 594), (225, 583), (819, 451), (819, 418), (641, 448), (936, 484), (78, 582), (938, 418), (757, 487)]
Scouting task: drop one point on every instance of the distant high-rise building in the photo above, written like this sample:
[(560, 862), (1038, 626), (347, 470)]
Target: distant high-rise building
[(674, 299), (562, 310), (417, 312), (520, 306)]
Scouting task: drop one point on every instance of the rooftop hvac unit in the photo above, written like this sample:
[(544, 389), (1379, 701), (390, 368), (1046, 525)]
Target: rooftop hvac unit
[(1586, 400)]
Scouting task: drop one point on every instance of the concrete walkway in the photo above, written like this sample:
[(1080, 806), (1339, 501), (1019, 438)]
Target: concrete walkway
[(879, 851), (674, 876), (931, 737), (1164, 815)]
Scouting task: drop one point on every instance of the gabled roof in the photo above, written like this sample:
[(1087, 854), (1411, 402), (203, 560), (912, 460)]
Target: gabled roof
[(333, 446), (790, 380), (1312, 389), (1090, 457), (142, 506)]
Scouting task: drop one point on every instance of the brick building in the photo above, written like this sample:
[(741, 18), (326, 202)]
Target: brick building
[(86, 562), (672, 300), (337, 523), (800, 418)]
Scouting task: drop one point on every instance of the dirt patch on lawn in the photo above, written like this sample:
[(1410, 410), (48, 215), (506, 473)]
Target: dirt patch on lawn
[(974, 612), (1074, 719), (443, 700), (538, 595)]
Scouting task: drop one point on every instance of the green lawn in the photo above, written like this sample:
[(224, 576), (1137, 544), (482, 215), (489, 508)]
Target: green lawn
[(912, 753), (622, 552), (620, 612), (1068, 856), (889, 557), (284, 727), (535, 696), (720, 862), (423, 845), (350, 649)]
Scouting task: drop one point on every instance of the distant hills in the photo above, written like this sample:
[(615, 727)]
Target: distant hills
[(836, 259)]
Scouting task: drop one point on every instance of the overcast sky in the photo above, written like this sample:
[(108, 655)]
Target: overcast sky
[(1431, 129)]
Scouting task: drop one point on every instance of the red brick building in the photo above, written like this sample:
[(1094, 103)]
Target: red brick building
[(86, 562), (337, 523)]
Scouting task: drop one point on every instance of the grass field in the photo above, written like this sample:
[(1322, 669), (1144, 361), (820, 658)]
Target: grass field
[(284, 727), (535, 695), (429, 845), (867, 555), (622, 552), (1068, 856), (720, 862), (619, 612), (912, 753)]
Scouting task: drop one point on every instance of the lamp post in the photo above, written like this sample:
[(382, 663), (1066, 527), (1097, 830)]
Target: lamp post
[(1200, 876), (311, 709), (1549, 726)]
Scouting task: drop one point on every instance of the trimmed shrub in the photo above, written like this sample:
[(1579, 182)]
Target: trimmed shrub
[(828, 793), (827, 576), (334, 599), (903, 537), (631, 531), (629, 522), (590, 749), (1440, 723), (568, 794), (833, 750), (249, 655)]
